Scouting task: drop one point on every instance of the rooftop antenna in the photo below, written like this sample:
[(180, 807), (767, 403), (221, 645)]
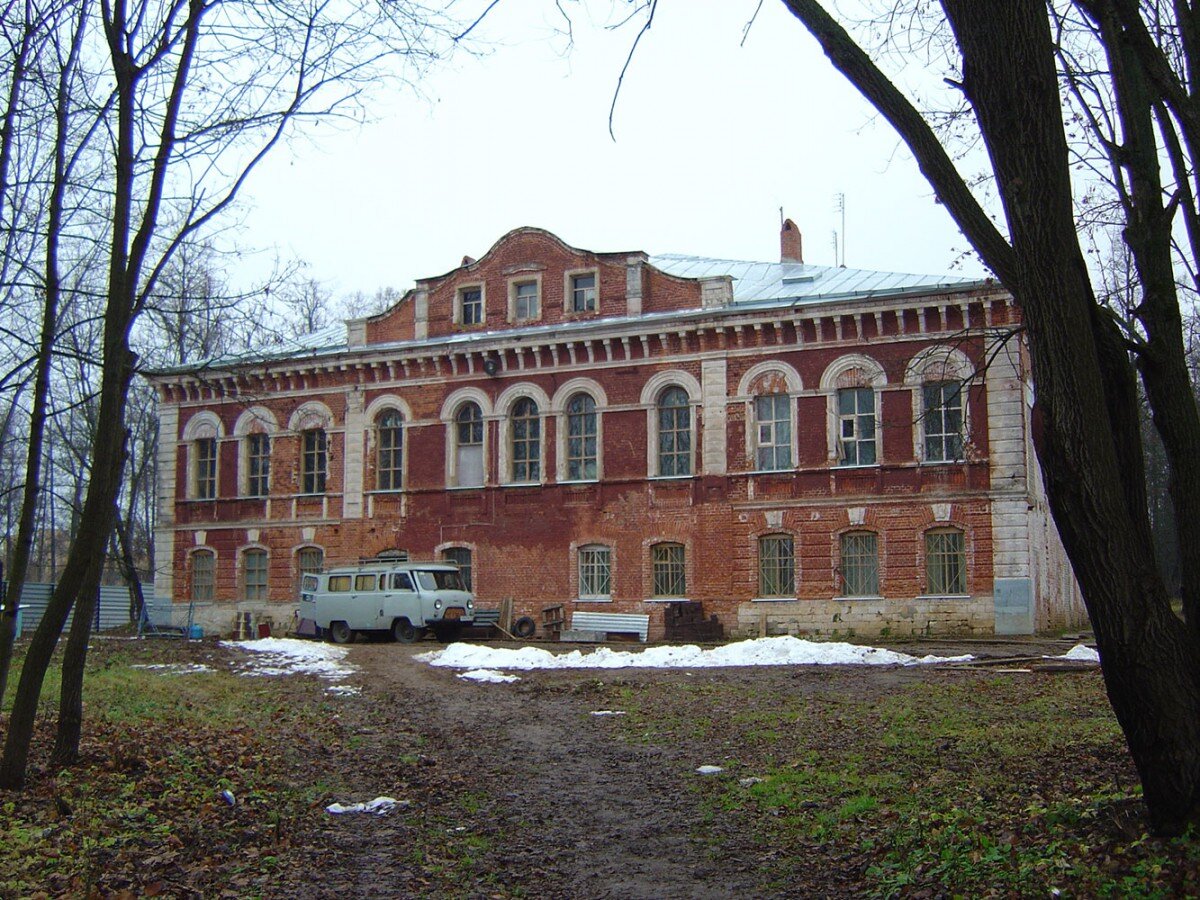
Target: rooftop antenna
[(839, 205)]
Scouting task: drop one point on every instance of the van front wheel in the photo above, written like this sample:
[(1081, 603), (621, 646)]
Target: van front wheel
[(406, 632), (340, 633)]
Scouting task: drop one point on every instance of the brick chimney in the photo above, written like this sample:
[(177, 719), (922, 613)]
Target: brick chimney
[(791, 245)]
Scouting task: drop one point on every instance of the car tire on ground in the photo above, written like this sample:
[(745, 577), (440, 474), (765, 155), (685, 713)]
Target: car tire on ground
[(524, 627), (340, 633)]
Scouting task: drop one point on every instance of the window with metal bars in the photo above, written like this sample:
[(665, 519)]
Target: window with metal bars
[(204, 568), (254, 574), (946, 561), (860, 564), (776, 566), (595, 573), (670, 579)]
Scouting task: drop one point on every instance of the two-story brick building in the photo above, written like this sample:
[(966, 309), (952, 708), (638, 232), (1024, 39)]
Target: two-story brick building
[(798, 448)]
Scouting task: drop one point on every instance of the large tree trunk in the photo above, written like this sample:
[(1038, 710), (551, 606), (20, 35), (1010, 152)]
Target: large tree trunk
[(1085, 425), (1087, 441)]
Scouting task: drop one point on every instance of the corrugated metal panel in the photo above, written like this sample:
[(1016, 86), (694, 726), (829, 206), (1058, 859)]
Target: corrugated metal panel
[(615, 622), (111, 612)]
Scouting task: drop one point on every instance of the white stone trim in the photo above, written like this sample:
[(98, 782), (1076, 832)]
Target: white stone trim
[(310, 415)]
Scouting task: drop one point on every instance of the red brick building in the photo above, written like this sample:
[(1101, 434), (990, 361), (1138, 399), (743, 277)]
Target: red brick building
[(798, 448)]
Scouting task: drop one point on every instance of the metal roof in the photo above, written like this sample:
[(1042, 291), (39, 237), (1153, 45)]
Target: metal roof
[(756, 285), (757, 282)]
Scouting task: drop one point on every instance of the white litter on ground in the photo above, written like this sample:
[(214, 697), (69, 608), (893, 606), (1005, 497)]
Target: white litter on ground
[(175, 668), (491, 676), (344, 690), (1079, 653), (770, 651), (608, 712), (710, 770), (287, 656), (380, 806)]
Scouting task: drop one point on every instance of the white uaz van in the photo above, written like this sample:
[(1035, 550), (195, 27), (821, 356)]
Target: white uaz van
[(405, 599)]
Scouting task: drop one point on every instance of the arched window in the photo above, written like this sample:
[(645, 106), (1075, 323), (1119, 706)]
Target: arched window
[(668, 562), (595, 572), (254, 574), (309, 560), (776, 566), (945, 561), (860, 564), (581, 438), (314, 461), (525, 437), (468, 445), (204, 570), (389, 451), (773, 432), (461, 557), (674, 433), (205, 449)]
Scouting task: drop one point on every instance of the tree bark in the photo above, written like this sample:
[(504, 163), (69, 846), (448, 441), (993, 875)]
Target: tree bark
[(70, 706), (1086, 413)]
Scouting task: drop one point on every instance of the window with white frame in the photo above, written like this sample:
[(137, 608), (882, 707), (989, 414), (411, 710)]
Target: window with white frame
[(773, 432), (674, 433), (856, 427), (461, 557), (258, 465), (389, 451), (668, 564), (582, 447), (946, 561), (583, 292), (204, 570), (254, 574), (470, 306), (205, 468), (859, 567), (595, 572), (526, 305), (942, 421), (468, 445), (776, 566), (314, 461), (525, 441)]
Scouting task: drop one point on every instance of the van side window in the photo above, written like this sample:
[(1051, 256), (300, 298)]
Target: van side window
[(339, 583), (401, 582), (364, 582)]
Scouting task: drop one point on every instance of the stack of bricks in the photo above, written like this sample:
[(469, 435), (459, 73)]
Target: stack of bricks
[(684, 621)]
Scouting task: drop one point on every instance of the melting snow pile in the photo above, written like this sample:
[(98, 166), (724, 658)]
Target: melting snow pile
[(771, 651), (286, 656), (1079, 653), (490, 676)]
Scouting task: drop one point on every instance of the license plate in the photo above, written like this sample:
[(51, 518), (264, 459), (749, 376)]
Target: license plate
[(453, 612)]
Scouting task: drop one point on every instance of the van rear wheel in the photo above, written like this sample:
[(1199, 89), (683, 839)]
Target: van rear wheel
[(406, 632), (340, 633)]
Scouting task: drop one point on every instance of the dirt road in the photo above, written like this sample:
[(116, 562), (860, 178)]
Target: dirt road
[(519, 788)]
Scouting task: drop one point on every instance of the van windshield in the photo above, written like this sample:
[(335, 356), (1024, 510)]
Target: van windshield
[(439, 580)]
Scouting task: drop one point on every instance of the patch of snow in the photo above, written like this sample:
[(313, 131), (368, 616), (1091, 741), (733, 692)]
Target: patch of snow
[(344, 690), (770, 651), (1079, 653), (491, 676), (750, 782), (608, 712), (175, 668), (288, 656), (380, 806), (709, 770)]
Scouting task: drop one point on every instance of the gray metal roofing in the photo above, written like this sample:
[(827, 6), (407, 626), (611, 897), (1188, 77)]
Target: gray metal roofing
[(755, 285), (755, 282)]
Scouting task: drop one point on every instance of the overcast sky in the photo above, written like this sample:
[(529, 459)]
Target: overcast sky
[(712, 138)]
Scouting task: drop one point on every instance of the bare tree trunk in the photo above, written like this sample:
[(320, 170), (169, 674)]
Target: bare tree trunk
[(1085, 421), (137, 600), (70, 705)]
